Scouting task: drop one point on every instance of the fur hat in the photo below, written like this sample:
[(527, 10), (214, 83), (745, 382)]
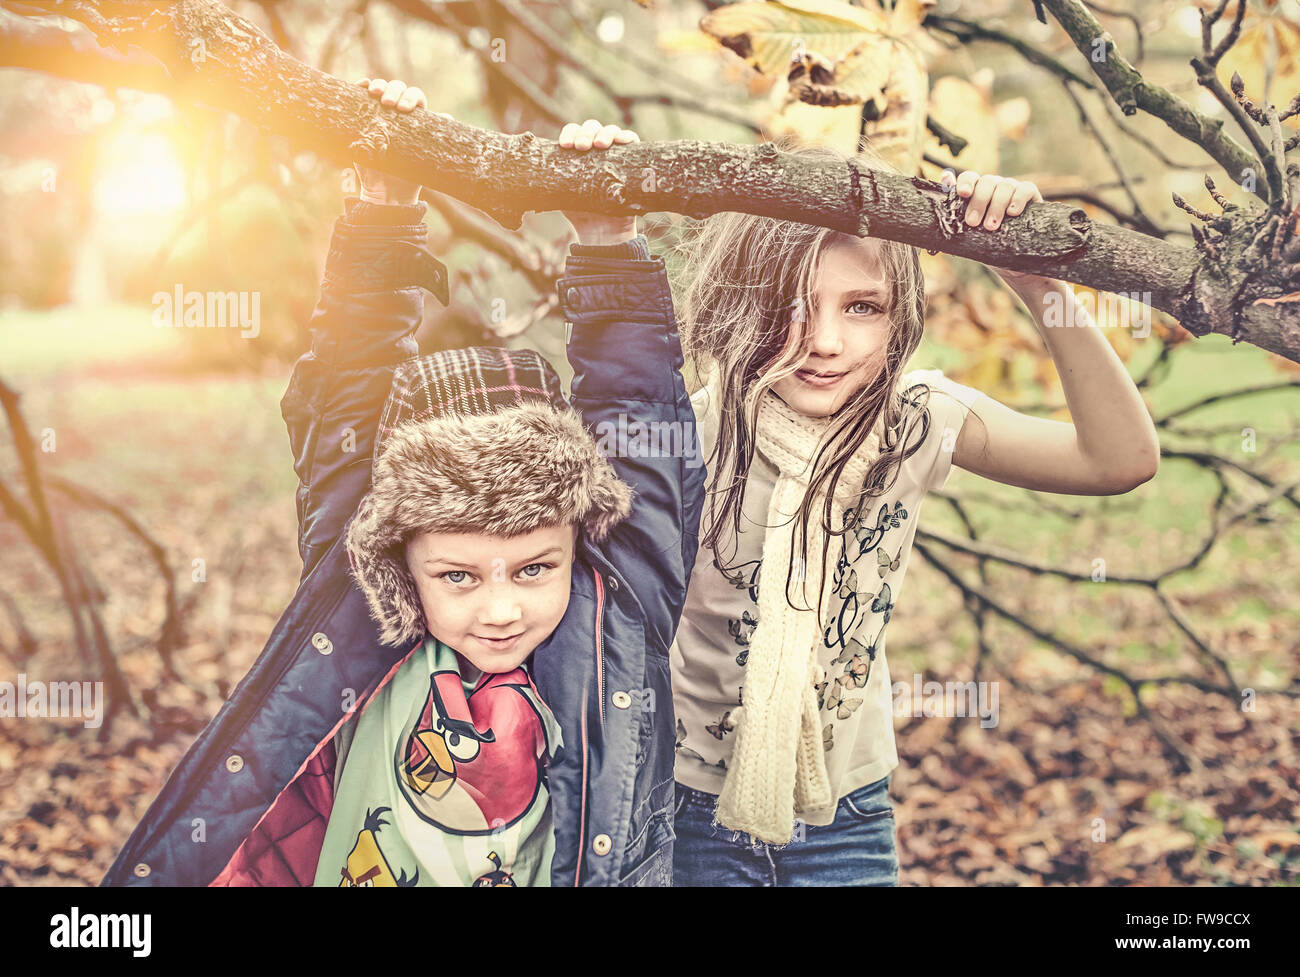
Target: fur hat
[(477, 440)]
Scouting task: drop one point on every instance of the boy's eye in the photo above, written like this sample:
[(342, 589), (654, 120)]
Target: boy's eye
[(537, 568)]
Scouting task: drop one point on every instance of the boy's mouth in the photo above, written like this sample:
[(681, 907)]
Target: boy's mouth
[(498, 644), (819, 378)]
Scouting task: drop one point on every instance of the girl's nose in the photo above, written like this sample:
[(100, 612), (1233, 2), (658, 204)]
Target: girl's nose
[(826, 339)]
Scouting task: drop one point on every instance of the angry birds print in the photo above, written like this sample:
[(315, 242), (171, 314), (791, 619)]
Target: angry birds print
[(366, 866), (495, 878), (472, 765)]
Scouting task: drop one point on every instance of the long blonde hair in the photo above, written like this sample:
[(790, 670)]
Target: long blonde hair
[(742, 278)]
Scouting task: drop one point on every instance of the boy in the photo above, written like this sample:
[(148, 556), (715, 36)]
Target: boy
[(261, 779)]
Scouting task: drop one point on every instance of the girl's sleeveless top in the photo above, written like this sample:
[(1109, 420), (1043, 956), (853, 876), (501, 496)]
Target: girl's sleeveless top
[(709, 654)]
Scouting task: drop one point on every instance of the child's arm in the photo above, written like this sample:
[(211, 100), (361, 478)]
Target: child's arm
[(363, 326), (627, 360), (1111, 447)]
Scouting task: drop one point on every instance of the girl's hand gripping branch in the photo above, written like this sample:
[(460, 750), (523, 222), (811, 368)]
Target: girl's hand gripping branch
[(990, 200), (1110, 446)]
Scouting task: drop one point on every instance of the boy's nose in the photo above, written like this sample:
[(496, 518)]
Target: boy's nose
[(501, 609)]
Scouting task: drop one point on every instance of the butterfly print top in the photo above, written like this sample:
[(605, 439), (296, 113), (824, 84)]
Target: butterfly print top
[(721, 612)]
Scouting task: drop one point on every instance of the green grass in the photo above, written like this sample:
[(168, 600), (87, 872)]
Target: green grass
[(1172, 509), (1242, 582), (35, 344)]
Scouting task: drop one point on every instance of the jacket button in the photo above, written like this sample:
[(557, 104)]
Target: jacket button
[(321, 643), (141, 871), (622, 700), (601, 844), (234, 763), (571, 296), (613, 582)]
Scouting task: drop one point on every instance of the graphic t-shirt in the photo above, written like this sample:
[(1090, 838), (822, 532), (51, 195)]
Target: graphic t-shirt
[(441, 781), (721, 611)]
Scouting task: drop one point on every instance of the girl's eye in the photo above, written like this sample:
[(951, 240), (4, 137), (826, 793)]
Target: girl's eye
[(539, 569), (455, 577), (868, 308)]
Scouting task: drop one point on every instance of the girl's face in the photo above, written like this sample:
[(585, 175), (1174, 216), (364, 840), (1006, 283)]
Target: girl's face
[(849, 331), (491, 598)]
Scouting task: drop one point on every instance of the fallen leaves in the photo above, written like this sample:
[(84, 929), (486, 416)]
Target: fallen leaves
[(1086, 796)]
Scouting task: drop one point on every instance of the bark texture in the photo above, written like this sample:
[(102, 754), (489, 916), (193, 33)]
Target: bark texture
[(1244, 284)]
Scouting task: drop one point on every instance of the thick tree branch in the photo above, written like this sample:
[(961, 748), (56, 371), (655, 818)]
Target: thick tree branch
[(43, 45), (219, 58)]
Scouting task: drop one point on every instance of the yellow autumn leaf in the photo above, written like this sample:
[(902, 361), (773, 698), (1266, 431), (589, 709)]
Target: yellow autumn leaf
[(899, 134), (908, 14), (836, 126), (860, 76), (1267, 56), (769, 35), (862, 18), (961, 106)]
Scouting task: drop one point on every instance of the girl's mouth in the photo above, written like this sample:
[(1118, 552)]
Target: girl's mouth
[(819, 379)]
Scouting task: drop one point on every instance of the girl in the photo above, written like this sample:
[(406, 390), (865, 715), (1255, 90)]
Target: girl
[(820, 452), (508, 722)]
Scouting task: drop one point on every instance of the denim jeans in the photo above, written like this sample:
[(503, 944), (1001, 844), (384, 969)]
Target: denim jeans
[(857, 848)]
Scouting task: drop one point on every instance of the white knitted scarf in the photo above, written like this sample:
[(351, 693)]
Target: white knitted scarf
[(778, 764)]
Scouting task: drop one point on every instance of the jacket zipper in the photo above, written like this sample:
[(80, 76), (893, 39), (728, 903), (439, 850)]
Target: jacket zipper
[(600, 656), (600, 691), (582, 806)]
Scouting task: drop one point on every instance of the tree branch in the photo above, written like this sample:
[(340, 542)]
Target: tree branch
[(215, 56), (1132, 92)]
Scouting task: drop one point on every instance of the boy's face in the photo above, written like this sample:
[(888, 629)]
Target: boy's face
[(491, 598), (849, 331)]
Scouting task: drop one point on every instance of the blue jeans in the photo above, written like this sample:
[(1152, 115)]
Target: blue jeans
[(857, 848)]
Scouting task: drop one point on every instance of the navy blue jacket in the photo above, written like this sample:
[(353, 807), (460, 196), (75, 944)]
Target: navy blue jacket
[(243, 796)]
